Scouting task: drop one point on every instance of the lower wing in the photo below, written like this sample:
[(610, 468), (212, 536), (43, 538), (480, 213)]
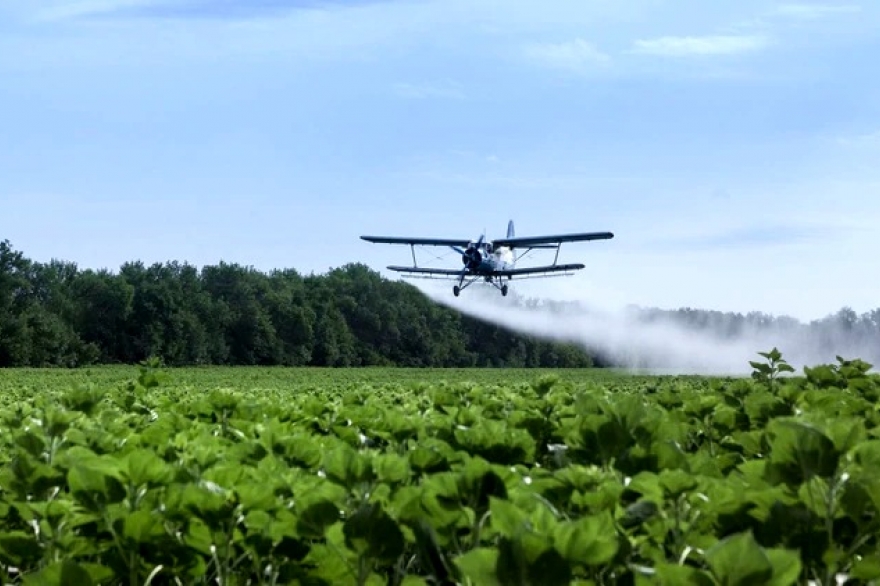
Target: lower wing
[(502, 273), (543, 269)]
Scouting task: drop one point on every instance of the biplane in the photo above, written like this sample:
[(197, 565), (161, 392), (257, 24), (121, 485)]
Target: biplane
[(493, 261)]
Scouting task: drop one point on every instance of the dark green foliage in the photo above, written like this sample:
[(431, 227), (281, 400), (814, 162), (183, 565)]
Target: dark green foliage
[(57, 315), (366, 477)]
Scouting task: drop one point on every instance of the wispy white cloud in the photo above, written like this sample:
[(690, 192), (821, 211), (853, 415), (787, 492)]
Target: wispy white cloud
[(814, 11), (672, 46), (445, 89), (187, 9), (860, 140), (764, 236), (577, 55), (65, 10)]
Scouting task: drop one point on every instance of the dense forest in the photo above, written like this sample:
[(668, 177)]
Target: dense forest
[(55, 314)]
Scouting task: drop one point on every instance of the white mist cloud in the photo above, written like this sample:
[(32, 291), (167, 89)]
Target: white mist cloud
[(662, 344)]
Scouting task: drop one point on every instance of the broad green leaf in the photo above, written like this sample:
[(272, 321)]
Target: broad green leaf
[(676, 482), (860, 497), (391, 468), (100, 574), (258, 523), (256, 496), (867, 454), (426, 460), (18, 548), (198, 537), (32, 442), (647, 484), (542, 519), (671, 456), (63, 573), (799, 451), (676, 575), (739, 561), (786, 566), (313, 522), (478, 567), (866, 569), (344, 465), (761, 367), (143, 527), (506, 517), (846, 433), (372, 532), (93, 487), (591, 540), (57, 421), (144, 468)]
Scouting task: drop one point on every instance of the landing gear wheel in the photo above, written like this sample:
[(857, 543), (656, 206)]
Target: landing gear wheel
[(504, 290), (456, 290)]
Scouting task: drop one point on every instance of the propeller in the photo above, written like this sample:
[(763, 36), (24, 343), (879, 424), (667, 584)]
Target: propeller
[(471, 258)]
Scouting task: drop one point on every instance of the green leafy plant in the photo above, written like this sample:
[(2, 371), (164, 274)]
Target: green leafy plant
[(775, 365), (385, 477)]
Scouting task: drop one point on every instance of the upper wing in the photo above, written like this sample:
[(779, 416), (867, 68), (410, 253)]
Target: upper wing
[(422, 241), (526, 241), (544, 269), (427, 271)]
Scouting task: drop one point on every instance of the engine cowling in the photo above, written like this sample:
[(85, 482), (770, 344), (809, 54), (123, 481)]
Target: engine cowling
[(472, 258)]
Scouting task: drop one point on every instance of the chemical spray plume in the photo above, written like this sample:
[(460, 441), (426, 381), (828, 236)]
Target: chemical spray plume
[(657, 341)]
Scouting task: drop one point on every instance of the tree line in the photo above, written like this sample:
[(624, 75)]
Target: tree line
[(56, 314)]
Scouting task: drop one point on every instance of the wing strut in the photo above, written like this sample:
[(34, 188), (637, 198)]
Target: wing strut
[(555, 258), (412, 248)]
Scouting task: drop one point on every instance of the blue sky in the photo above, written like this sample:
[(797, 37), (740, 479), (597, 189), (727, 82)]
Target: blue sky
[(733, 148)]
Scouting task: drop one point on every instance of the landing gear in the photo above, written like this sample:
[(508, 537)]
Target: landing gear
[(463, 284)]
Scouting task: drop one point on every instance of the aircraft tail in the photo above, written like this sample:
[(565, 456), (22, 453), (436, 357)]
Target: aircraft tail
[(510, 231)]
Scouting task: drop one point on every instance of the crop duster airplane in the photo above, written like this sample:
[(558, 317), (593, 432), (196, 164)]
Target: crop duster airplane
[(493, 260)]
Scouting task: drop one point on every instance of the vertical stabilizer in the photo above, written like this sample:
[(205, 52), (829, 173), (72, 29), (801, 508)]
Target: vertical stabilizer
[(510, 232)]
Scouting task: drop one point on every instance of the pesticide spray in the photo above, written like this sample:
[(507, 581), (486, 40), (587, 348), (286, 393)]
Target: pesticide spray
[(657, 341)]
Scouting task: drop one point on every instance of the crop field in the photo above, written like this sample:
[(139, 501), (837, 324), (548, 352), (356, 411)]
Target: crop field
[(233, 476)]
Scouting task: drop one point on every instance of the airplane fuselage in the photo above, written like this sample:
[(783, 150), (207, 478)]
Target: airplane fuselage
[(490, 259)]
